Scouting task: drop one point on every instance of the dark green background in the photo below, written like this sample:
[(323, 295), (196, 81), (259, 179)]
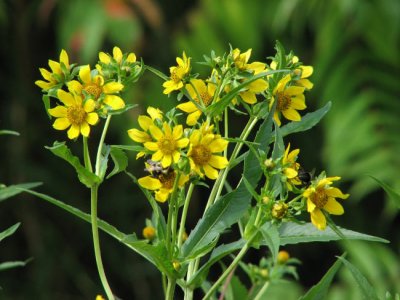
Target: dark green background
[(354, 48)]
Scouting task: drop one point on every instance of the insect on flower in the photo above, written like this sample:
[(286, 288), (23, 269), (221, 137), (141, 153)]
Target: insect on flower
[(155, 168)]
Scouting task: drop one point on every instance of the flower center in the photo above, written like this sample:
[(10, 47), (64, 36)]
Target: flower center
[(177, 74), (206, 98), (167, 180), (76, 114), (319, 198), (201, 155), (167, 145), (284, 101), (94, 90)]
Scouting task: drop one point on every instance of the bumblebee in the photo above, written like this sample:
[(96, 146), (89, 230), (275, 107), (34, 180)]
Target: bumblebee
[(305, 177), (155, 168)]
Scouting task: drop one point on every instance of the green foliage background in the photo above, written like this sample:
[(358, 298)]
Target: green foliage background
[(354, 46)]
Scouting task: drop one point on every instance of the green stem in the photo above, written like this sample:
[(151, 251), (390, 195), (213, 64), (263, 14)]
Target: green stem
[(86, 156), (96, 242), (172, 216), (100, 148), (184, 214), (170, 289), (262, 291)]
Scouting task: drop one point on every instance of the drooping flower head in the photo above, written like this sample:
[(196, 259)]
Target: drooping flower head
[(167, 143), (288, 100), (321, 196), (162, 183), (57, 74), (76, 114), (202, 93), (204, 152), (95, 86), (178, 73)]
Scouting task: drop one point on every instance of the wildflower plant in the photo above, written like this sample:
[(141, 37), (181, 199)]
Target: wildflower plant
[(275, 203)]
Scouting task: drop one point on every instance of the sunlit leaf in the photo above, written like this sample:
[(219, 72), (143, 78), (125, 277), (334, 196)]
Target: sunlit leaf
[(9, 231)]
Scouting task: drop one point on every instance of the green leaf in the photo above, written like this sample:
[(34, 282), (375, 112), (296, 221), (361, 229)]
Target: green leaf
[(9, 231), (229, 208), (84, 175), (128, 148), (122, 110), (127, 240), (319, 291), (158, 254), (367, 290), (46, 102), (13, 264), (10, 132), (307, 121), (12, 190), (217, 108), (293, 233), (395, 196), (270, 234), (120, 161), (217, 254), (236, 290)]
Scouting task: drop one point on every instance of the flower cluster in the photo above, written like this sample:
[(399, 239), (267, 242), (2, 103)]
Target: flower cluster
[(84, 95)]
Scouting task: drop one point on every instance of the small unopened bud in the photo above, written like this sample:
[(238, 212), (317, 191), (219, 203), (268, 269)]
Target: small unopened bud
[(149, 233), (176, 264), (266, 199), (184, 236), (264, 273), (283, 257), (100, 297), (269, 163), (279, 210)]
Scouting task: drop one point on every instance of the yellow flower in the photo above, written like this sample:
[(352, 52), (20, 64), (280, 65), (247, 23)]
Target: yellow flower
[(76, 114), (289, 100), (252, 89), (149, 232), (118, 57), (203, 153), (162, 184), (177, 74), (145, 122), (167, 143), (56, 75), (95, 86), (305, 71), (241, 59), (321, 197), (196, 88), (291, 167)]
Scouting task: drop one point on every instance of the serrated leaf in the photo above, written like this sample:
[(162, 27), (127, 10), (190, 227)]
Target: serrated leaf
[(395, 196), (367, 290), (270, 234), (120, 161), (84, 175), (293, 233), (9, 231), (319, 291), (307, 121), (217, 254), (104, 226), (229, 208), (12, 190)]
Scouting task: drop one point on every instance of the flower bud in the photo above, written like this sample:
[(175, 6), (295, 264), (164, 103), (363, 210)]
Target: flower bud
[(176, 264), (149, 233), (283, 257), (279, 210), (266, 199), (269, 163), (264, 273), (100, 297)]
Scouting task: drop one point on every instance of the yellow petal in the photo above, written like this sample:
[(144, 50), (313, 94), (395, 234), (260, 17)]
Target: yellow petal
[(166, 160), (248, 97), (276, 118), (64, 58), (218, 145), (115, 102), (187, 107), (84, 74), (144, 122), (92, 118), (156, 132), (150, 183), (73, 132), (210, 172), (46, 74), (333, 207), (55, 67), (177, 132), (104, 58), (157, 156), (162, 195), (117, 53), (85, 129), (258, 86), (310, 205), (131, 58), (192, 118), (294, 90), (154, 113), (176, 156), (290, 173), (89, 105), (336, 193), (182, 143), (218, 162), (291, 114), (151, 146), (139, 136), (318, 219), (298, 103), (75, 86), (43, 84), (58, 111), (112, 87), (66, 98), (61, 123), (306, 71)]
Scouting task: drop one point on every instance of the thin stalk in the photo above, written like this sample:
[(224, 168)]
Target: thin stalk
[(184, 214), (86, 156), (100, 148), (96, 242), (170, 289), (262, 291), (172, 216)]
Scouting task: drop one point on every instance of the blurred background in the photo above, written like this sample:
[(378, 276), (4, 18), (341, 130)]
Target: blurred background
[(354, 46)]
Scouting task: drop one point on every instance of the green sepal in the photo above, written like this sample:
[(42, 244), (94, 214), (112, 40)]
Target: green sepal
[(85, 176), (12, 190), (120, 161)]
